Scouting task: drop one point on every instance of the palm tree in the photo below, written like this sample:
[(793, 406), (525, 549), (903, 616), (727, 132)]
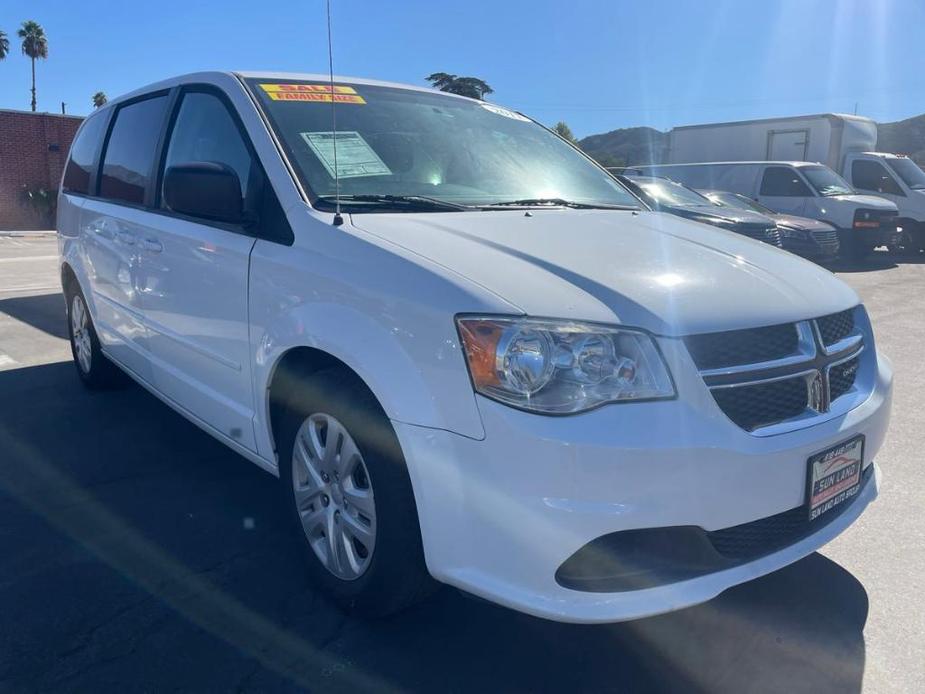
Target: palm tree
[(34, 45), (99, 99), (472, 87), (4, 45)]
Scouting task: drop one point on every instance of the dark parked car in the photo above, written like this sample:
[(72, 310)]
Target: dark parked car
[(667, 196), (806, 237)]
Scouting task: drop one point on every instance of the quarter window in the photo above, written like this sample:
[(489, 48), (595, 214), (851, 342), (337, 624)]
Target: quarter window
[(129, 158), (206, 132), (782, 181), (873, 176), (83, 156)]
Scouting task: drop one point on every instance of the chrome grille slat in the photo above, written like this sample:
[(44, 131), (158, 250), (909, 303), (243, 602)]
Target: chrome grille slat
[(800, 380)]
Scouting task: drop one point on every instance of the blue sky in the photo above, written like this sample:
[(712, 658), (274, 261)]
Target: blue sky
[(597, 64)]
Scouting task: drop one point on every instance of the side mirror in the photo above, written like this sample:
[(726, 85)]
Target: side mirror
[(204, 189)]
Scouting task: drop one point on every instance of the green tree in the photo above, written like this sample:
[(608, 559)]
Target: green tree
[(565, 132), (34, 45), (472, 87), (4, 45), (99, 99)]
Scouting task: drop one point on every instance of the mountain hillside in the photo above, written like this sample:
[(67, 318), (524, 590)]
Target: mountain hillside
[(627, 146), (630, 146), (903, 137)]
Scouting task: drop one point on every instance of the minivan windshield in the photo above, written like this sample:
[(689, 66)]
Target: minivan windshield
[(909, 171), (825, 181), (424, 151)]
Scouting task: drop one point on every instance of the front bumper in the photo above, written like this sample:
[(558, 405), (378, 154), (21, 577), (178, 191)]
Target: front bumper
[(868, 238), (810, 248), (499, 516)]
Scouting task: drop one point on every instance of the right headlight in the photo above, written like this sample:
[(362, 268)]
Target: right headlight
[(561, 366)]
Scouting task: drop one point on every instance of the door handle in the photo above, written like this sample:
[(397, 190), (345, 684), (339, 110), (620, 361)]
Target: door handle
[(126, 238), (152, 245)]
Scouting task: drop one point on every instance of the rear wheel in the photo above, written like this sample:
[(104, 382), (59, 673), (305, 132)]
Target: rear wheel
[(345, 483), (94, 369)]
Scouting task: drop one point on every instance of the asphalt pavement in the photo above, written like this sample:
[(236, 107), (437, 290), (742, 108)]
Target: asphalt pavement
[(138, 554)]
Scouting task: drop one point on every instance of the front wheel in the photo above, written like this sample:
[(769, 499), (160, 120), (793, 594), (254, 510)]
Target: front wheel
[(344, 480)]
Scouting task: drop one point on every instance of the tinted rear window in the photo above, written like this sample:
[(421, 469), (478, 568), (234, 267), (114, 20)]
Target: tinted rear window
[(83, 156), (128, 162)]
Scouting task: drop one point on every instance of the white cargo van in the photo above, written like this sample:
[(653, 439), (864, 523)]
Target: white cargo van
[(798, 188), (844, 143)]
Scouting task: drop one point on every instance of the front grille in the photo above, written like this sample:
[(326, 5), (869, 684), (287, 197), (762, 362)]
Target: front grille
[(737, 347), (761, 377), (836, 326), (750, 541), (841, 377), (883, 219), (825, 238), (762, 232), (761, 404)]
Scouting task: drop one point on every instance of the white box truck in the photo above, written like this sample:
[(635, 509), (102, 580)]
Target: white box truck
[(844, 143)]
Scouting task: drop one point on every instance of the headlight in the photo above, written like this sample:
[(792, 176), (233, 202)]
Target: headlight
[(561, 367), (790, 233)]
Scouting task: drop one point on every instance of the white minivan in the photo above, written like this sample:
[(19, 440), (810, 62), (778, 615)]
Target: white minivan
[(798, 188), (468, 353)]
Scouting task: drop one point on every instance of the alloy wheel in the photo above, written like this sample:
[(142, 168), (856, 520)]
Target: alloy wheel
[(334, 496), (80, 333)]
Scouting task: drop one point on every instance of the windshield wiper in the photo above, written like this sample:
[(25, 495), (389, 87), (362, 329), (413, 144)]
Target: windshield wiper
[(416, 202), (559, 202)]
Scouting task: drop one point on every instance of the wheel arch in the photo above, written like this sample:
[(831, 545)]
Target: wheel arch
[(68, 276), (290, 371)]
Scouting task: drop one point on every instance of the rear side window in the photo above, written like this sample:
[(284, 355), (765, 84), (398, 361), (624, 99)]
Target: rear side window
[(129, 158), (205, 132), (872, 175), (782, 181), (83, 156)]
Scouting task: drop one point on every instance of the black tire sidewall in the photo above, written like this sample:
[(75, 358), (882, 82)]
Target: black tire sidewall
[(396, 575), (103, 373)]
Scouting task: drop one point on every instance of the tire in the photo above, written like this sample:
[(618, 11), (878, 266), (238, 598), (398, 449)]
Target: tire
[(95, 370), (370, 507)]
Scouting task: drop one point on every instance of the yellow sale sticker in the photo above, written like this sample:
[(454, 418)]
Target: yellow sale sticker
[(339, 93)]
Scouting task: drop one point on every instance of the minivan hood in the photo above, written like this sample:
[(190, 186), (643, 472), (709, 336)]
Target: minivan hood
[(730, 214), (650, 270), (803, 223)]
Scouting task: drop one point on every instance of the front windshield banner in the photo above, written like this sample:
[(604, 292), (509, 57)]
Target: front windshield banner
[(400, 142), (312, 92)]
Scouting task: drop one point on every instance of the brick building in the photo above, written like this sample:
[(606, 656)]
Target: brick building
[(33, 151)]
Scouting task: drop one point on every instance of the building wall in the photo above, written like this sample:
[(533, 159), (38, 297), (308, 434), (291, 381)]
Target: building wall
[(33, 151)]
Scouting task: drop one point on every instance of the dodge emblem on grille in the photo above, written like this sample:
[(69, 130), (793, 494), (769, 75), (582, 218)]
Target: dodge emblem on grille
[(818, 393)]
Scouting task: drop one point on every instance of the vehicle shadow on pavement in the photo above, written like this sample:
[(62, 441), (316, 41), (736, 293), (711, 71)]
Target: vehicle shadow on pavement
[(138, 553), (42, 311)]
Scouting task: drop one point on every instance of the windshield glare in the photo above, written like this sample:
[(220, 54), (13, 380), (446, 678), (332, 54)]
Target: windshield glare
[(909, 172), (825, 181), (739, 202), (403, 142), (668, 193)]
